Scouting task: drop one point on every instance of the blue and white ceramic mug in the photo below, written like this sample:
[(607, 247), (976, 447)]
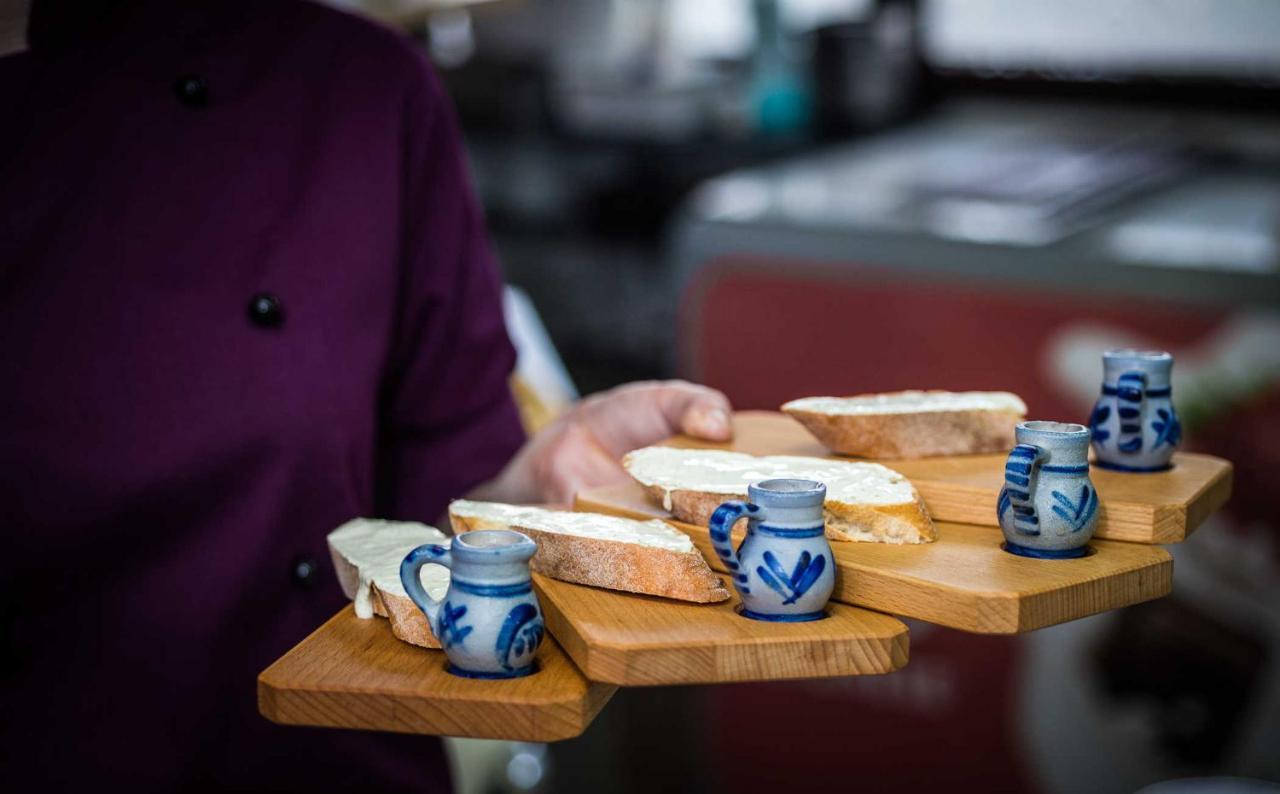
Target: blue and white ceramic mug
[(1048, 506), (1135, 427), (783, 570), (489, 622)]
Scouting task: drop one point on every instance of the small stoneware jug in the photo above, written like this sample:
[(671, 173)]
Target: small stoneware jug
[(1048, 506), (489, 622), (783, 570), (1135, 427)]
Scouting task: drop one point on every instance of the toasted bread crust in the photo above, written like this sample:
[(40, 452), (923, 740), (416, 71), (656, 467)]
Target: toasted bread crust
[(460, 523), (899, 523), (691, 507), (348, 574), (630, 567), (912, 435), (408, 622), (626, 566)]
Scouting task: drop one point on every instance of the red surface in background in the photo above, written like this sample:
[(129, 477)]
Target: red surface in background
[(766, 332), (942, 723), (826, 330)]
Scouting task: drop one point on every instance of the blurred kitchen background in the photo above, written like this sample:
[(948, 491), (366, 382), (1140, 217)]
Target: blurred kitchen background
[(964, 194)]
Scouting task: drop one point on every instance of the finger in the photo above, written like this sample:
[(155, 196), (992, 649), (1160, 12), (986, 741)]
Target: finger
[(698, 411), (568, 483), (574, 461), (708, 419), (640, 414)]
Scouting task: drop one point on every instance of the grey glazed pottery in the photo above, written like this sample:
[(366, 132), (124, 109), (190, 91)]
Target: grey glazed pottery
[(783, 570), (489, 622), (1135, 427), (1048, 507)]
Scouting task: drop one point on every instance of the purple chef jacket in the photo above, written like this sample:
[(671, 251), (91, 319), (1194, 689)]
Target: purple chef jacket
[(245, 296)]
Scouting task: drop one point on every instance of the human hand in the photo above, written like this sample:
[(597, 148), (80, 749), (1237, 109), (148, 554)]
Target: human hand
[(581, 449)]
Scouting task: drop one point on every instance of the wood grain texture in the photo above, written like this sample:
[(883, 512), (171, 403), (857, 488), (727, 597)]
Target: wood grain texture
[(964, 579), (1160, 507), (635, 640), (352, 673)]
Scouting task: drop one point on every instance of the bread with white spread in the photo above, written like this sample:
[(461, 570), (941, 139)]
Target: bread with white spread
[(367, 553), (650, 557), (912, 424), (865, 501)]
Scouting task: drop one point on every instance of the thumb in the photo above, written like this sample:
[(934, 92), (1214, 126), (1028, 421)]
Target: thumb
[(700, 412), (707, 422), (640, 414)]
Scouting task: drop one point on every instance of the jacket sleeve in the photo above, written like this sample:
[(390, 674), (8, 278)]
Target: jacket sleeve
[(448, 421)]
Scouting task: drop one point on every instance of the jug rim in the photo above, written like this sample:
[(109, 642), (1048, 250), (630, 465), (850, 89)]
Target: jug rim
[(789, 491), (1055, 429), (1138, 354), (492, 543)]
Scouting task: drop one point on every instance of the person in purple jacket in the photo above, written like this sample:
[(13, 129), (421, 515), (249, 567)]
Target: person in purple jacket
[(245, 295)]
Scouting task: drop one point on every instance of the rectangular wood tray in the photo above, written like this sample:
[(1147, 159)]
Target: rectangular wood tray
[(637, 640), (1160, 507), (963, 580), (353, 673)]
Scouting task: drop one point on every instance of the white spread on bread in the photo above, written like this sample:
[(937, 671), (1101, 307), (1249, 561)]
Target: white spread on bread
[(906, 402), (724, 472), (376, 548), (658, 534)]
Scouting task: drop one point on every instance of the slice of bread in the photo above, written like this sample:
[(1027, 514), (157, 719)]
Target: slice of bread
[(865, 501), (367, 554), (912, 424), (650, 557)]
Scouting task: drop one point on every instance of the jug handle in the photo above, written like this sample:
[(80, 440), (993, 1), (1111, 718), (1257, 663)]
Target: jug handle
[(1130, 396), (413, 562), (721, 526), (1020, 477)]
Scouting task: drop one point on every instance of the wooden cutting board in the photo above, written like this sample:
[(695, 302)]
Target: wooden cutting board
[(963, 580), (1159, 507), (636, 640), (353, 673)]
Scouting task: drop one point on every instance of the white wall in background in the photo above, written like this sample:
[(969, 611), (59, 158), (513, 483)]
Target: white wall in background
[(1235, 38)]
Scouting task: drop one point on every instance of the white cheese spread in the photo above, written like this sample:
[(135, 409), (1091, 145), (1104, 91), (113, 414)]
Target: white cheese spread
[(722, 472), (655, 534), (376, 548), (908, 402)]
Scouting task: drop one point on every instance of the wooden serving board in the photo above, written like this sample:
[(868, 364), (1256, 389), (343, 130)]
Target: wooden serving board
[(636, 640), (353, 673), (963, 579), (1159, 507)]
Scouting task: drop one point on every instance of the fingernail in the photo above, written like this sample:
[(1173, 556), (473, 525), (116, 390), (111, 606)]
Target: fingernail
[(716, 421)]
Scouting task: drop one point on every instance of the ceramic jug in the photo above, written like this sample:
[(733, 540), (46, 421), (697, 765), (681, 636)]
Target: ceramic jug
[(1048, 506), (783, 570), (1135, 427), (489, 622)]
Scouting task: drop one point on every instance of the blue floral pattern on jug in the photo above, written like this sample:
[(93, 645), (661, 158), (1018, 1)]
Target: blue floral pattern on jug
[(1077, 514), (806, 573), (1134, 424), (1097, 423), (1168, 428), (449, 631), (489, 586), (1055, 521), (785, 551), (520, 634)]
